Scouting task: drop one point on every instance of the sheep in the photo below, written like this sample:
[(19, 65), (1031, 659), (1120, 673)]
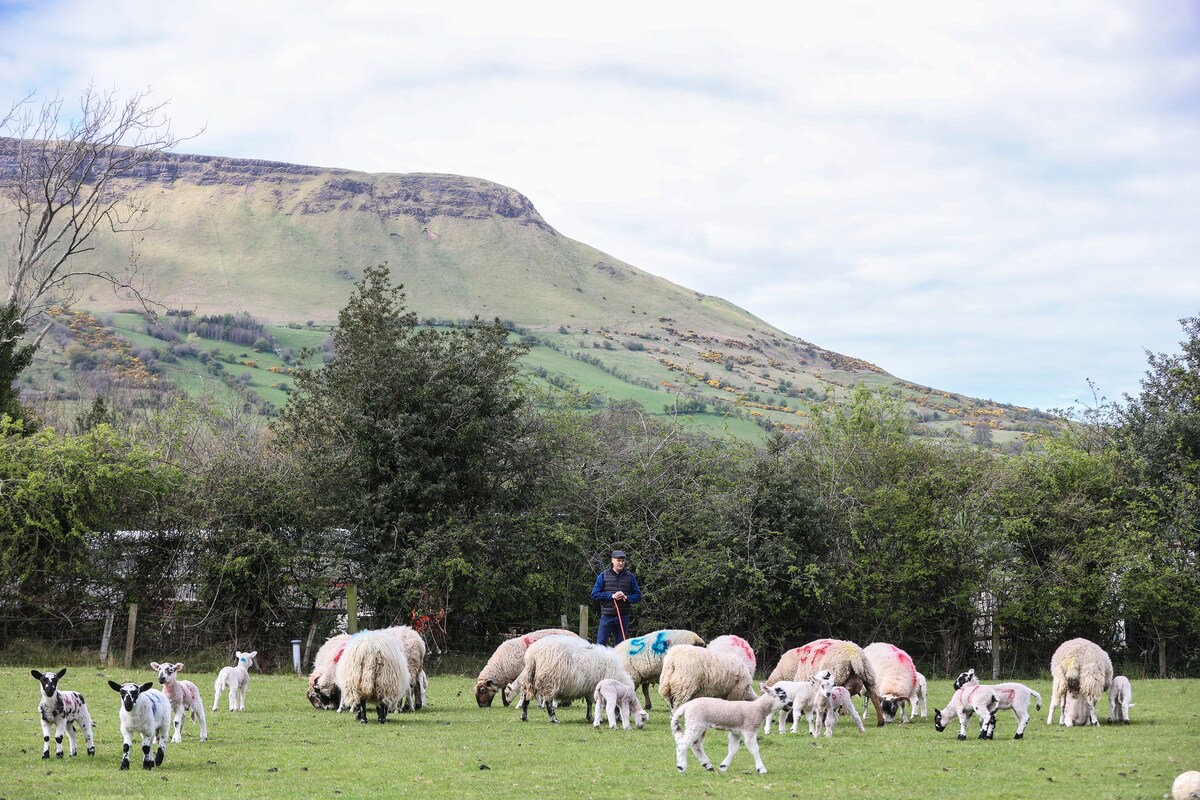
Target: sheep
[(643, 656), (61, 710), (971, 699), (236, 679), (506, 664), (561, 668), (896, 678), (147, 711), (1186, 786), (689, 672), (1014, 696), (322, 681), (920, 698), (414, 650), (850, 668), (184, 696), (1082, 670), (618, 698), (373, 668), (830, 703), (741, 718), (802, 694), (1120, 695)]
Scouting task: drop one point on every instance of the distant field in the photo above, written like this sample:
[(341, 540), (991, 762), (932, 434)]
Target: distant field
[(281, 748)]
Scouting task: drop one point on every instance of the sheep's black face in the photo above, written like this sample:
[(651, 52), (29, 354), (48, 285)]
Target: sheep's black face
[(938, 722), (964, 678), (129, 693), (889, 707), (49, 681)]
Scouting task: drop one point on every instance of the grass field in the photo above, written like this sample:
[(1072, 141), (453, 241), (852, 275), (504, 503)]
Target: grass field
[(281, 748)]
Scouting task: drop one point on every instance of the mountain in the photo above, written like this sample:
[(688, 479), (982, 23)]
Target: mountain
[(286, 242)]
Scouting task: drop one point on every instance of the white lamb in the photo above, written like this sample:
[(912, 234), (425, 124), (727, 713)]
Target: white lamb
[(322, 681), (741, 718), (618, 699), (972, 699), (1014, 696), (414, 650), (373, 669), (562, 668), (846, 660), (802, 694), (830, 703), (896, 678), (919, 705), (236, 679), (147, 711), (689, 672), (60, 710), (184, 696), (1082, 671), (643, 655), (506, 664), (1120, 699)]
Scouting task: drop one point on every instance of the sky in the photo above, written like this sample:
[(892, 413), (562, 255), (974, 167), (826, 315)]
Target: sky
[(1000, 199)]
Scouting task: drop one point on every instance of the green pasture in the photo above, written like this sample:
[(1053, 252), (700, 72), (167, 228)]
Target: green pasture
[(281, 748)]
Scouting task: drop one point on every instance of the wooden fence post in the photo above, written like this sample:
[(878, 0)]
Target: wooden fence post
[(104, 639), (129, 635), (583, 622), (351, 608)]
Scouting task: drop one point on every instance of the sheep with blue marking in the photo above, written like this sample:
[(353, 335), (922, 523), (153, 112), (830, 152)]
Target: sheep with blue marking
[(373, 669), (146, 711), (643, 655), (236, 679), (60, 711)]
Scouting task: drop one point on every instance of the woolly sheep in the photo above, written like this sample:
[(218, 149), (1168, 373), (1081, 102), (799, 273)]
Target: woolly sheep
[(850, 667), (506, 664), (643, 655), (373, 668), (1120, 697), (414, 651), (147, 711), (559, 668), (1014, 696), (60, 710), (322, 681), (236, 679), (1082, 671), (971, 699), (741, 718), (618, 698), (184, 696), (689, 672), (895, 676)]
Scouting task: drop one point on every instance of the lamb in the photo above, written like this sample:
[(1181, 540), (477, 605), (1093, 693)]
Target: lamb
[(741, 718), (147, 711), (322, 681), (802, 694), (373, 668), (968, 700), (184, 696), (1082, 670), (506, 664), (561, 668), (1120, 695), (850, 668), (618, 698), (831, 702), (1014, 696), (235, 679), (643, 656), (896, 678), (922, 694), (414, 651), (61, 710), (689, 672)]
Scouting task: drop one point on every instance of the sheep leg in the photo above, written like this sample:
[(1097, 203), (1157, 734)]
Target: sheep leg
[(1057, 698), (217, 690), (1022, 721), (588, 712), (696, 742), (162, 749), (962, 725), (751, 739), (128, 742), (178, 725), (524, 708), (58, 738), (202, 721), (71, 737), (878, 710), (550, 710), (46, 728), (86, 723), (147, 761), (646, 693), (381, 710), (734, 744), (360, 711)]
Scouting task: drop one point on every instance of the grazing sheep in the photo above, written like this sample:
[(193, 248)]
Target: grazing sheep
[(322, 681), (803, 695), (1014, 696), (506, 664), (1083, 671), (235, 679), (643, 656), (689, 672), (618, 697), (147, 711), (61, 710), (895, 678), (559, 668), (741, 718), (1120, 697), (970, 699), (919, 700), (184, 696), (835, 701), (414, 650), (850, 667), (373, 669)]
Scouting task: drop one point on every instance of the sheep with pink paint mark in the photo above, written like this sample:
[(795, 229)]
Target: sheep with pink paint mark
[(829, 704), (60, 710), (322, 681), (850, 667), (724, 669), (184, 696), (506, 664), (896, 679)]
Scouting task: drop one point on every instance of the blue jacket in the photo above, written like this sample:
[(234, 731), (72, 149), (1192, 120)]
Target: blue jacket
[(608, 582)]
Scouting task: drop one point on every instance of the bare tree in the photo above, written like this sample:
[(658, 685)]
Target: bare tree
[(61, 175)]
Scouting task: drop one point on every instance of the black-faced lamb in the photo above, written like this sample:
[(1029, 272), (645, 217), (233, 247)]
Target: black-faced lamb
[(373, 669), (895, 676), (563, 668), (741, 718), (60, 710), (620, 700), (1120, 699), (971, 699), (846, 660), (689, 672), (643, 655), (184, 696), (235, 679), (506, 664), (146, 711), (1012, 695), (1082, 671)]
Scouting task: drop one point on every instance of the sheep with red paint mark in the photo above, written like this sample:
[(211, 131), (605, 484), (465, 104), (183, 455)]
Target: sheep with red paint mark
[(184, 696), (846, 660), (1013, 696), (60, 710), (322, 681), (724, 669), (895, 676), (506, 664), (829, 704), (643, 655)]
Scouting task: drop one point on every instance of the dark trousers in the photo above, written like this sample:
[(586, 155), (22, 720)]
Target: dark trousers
[(610, 626)]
